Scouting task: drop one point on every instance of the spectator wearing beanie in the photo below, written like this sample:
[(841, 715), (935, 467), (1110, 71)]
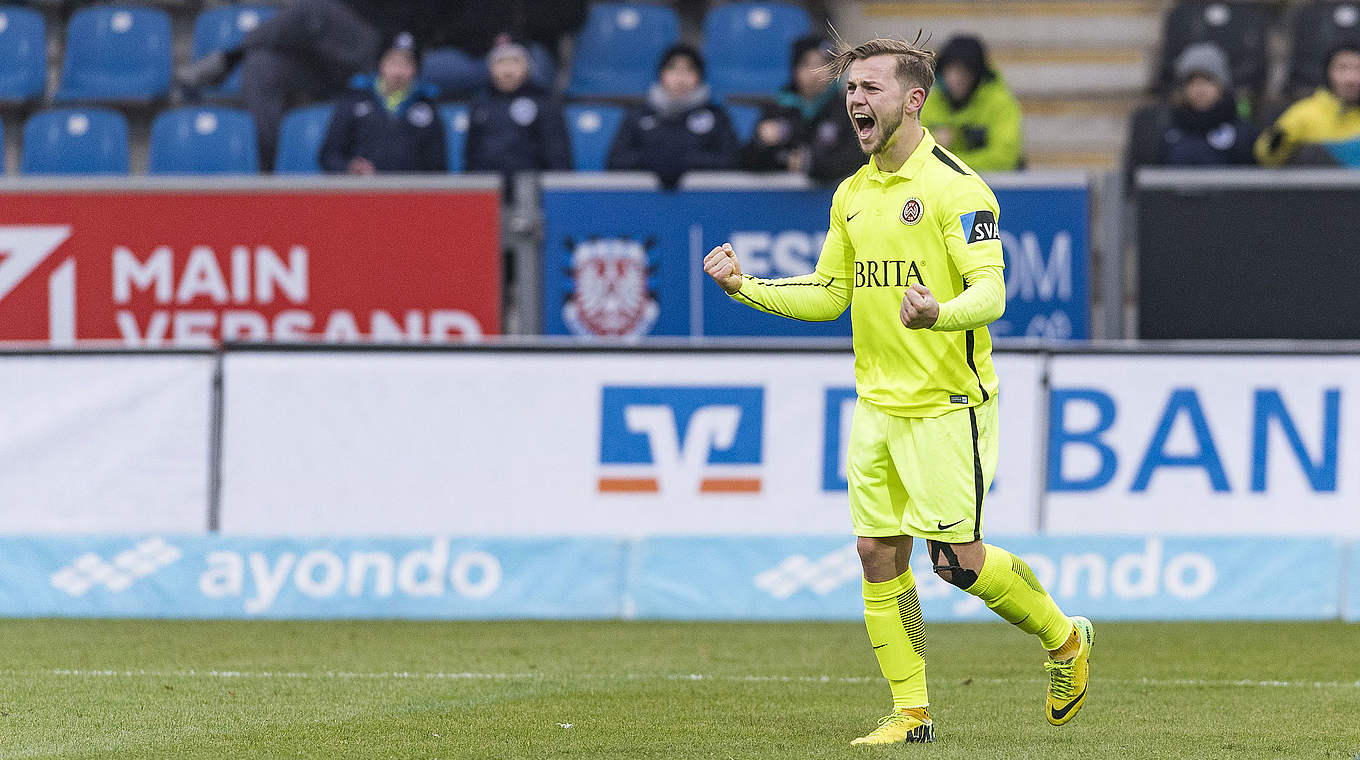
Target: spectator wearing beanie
[(514, 124), (390, 125), (1323, 128), (806, 130), (307, 52), (679, 128), (971, 112), (1202, 125)]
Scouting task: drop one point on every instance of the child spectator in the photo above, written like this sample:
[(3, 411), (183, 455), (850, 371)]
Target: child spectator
[(389, 126), (680, 128), (515, 125), (1323, 128), (1201, 125), (971, 112), (806, 130)]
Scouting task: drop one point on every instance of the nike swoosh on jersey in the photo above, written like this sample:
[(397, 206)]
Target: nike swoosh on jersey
[(852, 216), (941, 526), (1059, 714), (879, 646)]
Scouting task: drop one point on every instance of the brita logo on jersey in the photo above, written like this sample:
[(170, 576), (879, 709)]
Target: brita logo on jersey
[(681, 439)]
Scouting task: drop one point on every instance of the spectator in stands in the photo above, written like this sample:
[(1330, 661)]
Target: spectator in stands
[(390, 125), (806, 130), (515, 125), (680, 128), (971, 112), (309, 51), (1323, 128), (1201, 125)]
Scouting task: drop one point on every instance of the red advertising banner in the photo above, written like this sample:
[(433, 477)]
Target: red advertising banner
[(190, 268)]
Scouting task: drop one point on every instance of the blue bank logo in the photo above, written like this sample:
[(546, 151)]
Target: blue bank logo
[(656, 439)]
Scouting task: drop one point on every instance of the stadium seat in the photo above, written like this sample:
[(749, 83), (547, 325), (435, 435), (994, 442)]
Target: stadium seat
[(1316, 29), (23, 54), (202, 141), (75, 141), (744, 118), (455, 116), (1237, 27), (592, 129), (222, 28), (116, 53), (619, 47), (747, 45), (300, 137)]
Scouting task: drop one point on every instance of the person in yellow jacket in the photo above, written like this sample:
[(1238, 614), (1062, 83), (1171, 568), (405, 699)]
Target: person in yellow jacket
[(1325, 126), (972, 113)]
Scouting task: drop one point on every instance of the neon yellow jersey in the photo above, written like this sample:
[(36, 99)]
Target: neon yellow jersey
[(934, 222)]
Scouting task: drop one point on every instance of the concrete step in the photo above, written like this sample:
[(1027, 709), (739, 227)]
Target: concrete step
[(1095, 80), (1080, 131), (1035, 22), (1069, 158)]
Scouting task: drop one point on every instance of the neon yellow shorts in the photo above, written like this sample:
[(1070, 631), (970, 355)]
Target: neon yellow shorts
[(921, 476)]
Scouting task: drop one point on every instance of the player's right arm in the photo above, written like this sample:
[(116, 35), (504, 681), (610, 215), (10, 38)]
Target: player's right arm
[(820, 296)]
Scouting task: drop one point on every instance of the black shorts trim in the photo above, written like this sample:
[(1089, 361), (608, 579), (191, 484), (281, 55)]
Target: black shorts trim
[(979, 487)]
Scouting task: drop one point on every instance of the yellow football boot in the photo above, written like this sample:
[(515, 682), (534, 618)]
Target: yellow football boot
[(1068, 679), (911, 725)]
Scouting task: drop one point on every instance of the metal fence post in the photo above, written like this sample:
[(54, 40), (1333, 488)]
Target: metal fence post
[(523, 237)]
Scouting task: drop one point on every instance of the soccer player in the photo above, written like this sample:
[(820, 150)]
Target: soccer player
[(914, 251)]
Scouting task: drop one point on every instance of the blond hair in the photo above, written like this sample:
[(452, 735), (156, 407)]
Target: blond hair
[(915, 65)]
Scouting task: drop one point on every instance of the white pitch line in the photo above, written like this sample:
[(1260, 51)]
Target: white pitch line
[(341, 675)]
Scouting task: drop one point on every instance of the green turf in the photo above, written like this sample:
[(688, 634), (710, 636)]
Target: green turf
[(630, 690)]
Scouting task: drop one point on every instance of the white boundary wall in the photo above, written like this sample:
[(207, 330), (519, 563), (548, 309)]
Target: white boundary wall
[(604, 442)]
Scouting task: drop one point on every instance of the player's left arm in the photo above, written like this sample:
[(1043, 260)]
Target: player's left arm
[(972, 237)]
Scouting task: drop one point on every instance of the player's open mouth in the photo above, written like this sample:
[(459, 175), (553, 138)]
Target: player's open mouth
[(864, 125)]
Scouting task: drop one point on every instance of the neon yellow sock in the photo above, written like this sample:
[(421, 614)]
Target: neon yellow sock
[(1009, 587), (892, 614)]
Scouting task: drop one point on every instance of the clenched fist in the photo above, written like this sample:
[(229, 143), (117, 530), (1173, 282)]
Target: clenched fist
[(919, 308), (721, 264)]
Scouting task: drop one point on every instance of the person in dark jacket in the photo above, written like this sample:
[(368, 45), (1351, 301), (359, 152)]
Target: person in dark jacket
[(390, 126), (307, 52), (515, 125), (1200, 125), (806, 129), (680, 128)]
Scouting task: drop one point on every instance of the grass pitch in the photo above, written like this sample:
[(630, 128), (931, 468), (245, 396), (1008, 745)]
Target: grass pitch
[(132, 689)]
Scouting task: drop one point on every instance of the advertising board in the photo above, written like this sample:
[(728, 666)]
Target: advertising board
[(189, 268), (627, 262)]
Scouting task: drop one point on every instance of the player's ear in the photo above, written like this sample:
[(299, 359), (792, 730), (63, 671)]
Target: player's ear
[(916, 100)]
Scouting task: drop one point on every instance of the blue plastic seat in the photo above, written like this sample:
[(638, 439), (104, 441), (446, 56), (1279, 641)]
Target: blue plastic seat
[(300, 137), (223, 28), (619, 47), (116, 54), (592, 129), (455, 116), (23, 54), (75, 141), (744, 118), (203, 141), (747, 46)]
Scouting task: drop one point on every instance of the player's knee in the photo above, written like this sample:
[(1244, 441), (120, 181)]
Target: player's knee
[(872, 552), (945, 562)]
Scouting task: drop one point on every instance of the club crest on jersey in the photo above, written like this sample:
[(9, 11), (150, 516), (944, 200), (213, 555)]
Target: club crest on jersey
[(979, 226), (912, 211), (611, 296)]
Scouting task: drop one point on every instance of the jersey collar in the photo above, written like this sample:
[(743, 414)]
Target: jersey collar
[(911, 166)]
